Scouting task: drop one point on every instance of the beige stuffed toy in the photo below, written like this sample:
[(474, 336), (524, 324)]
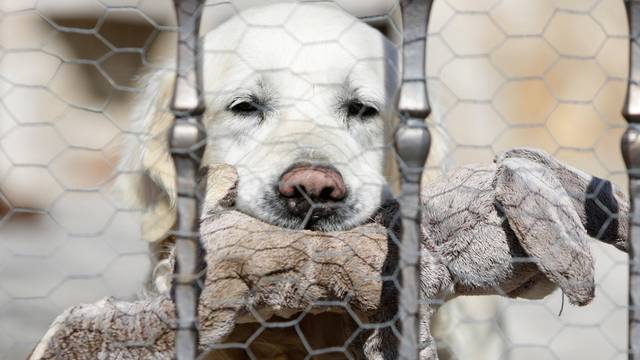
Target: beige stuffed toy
[(518, 227)]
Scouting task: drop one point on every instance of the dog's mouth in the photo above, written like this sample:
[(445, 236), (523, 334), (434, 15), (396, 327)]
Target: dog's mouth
[(301, 213), (323, 217), (317, 217)]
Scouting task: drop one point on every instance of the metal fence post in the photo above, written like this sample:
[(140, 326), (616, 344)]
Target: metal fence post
[(412, 142), (631, 153), (187, 139)]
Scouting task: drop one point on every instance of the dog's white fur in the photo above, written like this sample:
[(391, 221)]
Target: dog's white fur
[(303, 62), (304, 84)]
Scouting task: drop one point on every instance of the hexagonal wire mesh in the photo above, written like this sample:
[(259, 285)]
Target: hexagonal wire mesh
[(549, 74)]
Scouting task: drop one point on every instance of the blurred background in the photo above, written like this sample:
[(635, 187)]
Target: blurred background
[(549, 74)]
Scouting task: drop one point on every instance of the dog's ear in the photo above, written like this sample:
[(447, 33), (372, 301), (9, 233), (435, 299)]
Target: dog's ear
[(148, 180), (543, 218)]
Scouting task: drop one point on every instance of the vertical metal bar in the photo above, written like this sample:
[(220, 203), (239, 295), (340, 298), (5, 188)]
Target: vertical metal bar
[(631, 152), (187, 139), (412, 142)]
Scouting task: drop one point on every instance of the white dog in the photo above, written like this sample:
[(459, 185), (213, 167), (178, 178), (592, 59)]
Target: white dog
[(300, 99)]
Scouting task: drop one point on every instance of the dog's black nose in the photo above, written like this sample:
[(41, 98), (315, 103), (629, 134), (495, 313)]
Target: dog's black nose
[(307, 185)]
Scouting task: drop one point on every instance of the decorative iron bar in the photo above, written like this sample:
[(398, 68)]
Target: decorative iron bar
[(631, 153), (412, 142), (187, 141)]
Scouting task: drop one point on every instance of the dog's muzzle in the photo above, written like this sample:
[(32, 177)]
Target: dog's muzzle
[(312, 191)]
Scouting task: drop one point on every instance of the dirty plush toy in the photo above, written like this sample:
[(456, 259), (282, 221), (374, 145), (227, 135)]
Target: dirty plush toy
[(518, 227)]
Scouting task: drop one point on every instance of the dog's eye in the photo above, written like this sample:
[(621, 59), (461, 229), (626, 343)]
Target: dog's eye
[(245, 108), (358, 109)]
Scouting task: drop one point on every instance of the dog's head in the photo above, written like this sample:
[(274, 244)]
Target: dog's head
[(299, 107), (300, 99)]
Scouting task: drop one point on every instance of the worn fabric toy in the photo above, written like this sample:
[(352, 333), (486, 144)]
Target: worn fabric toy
[(518, 227)]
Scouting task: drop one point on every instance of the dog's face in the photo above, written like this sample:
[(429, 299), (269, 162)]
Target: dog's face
[(300, 100)]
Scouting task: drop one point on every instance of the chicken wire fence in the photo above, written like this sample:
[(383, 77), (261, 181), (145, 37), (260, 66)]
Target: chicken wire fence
[(547, 74)]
